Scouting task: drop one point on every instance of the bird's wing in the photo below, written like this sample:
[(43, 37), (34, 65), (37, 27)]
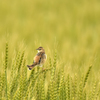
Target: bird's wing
[(37, 58)]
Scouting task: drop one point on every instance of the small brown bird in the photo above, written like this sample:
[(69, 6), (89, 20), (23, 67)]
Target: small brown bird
[(39, 59)]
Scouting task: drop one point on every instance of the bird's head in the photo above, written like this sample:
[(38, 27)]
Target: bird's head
[(40, 49)]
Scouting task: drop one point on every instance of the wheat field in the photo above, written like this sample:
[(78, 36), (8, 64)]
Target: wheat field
[(69, 31)]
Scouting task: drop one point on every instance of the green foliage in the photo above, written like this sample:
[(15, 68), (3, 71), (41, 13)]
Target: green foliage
[(33, 87), (6, 64), (70, 27), (87, 74)]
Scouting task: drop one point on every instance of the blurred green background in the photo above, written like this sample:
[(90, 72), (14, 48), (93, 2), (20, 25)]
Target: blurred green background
[(71, 27)]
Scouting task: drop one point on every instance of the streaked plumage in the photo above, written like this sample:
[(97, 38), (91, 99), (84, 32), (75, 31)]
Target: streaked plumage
[(39, 59)]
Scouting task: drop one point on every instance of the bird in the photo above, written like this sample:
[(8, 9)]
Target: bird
[(39, 59)]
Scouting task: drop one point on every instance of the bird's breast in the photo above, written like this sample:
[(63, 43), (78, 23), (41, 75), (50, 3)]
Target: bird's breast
[(43, 59)]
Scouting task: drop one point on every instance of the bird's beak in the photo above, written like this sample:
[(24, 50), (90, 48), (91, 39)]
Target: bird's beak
[(37, 49)]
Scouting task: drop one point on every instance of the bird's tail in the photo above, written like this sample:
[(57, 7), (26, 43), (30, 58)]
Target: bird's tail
[(31, 66)]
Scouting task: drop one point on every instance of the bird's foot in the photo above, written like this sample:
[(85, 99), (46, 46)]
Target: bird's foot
[(43, 69)]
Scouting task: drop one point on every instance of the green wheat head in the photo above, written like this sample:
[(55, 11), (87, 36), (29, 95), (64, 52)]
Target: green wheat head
[(21, 86)]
